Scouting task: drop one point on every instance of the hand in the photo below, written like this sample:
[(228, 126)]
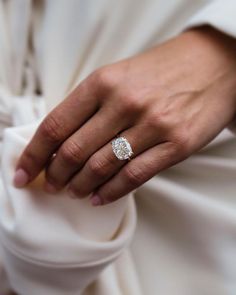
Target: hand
[(169, 102)]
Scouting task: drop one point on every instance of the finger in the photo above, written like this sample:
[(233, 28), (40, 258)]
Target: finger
[(59, 124), (74, 152), (136, 172), (103, 164)]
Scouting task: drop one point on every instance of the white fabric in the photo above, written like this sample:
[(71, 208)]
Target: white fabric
[(185, 237)]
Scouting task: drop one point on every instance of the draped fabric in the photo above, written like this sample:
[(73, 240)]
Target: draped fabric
[(173, 235)]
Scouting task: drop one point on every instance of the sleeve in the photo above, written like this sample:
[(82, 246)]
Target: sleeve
[(221, 15)]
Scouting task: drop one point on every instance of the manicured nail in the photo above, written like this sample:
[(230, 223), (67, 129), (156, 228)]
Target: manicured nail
[(96, 200), (21, 178), (50, 188)]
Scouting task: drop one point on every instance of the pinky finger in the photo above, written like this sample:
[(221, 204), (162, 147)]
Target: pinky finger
[(136, 172)]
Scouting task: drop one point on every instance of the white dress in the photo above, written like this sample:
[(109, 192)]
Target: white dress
[(176, 234)]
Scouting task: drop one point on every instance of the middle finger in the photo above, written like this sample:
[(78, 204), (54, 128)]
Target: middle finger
[(102, 165), (74, 152)]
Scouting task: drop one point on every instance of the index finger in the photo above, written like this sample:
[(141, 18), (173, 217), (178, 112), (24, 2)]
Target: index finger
[(57, 126)]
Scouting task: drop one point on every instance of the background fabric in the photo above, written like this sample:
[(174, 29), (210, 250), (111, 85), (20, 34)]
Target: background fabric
[(185, 237)]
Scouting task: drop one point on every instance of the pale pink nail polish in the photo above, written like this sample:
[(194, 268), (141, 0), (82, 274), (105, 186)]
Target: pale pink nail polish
[(96, 200), (21, 178)]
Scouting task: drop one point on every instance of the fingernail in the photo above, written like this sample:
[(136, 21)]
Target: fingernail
[(96, 200), (50, 188), (21, 178)]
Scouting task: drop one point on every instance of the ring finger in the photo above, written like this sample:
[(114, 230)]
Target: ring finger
[(73, 153), (103, 164)]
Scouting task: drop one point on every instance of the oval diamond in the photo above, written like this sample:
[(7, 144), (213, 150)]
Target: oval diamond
[(122, 148)]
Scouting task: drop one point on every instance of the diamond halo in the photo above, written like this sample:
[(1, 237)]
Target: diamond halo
[(122, 148)]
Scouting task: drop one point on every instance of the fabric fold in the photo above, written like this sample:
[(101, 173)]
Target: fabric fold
[(53, 236), (214, 13)]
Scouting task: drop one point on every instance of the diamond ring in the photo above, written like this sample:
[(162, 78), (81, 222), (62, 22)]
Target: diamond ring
[(122, 148)]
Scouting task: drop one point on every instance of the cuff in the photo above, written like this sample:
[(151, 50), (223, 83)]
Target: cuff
[(219, 14)]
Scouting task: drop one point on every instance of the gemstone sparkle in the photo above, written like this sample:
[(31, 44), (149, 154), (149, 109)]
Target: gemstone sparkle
[(122, 148)]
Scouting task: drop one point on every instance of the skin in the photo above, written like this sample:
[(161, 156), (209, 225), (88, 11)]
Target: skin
[(169, 102)]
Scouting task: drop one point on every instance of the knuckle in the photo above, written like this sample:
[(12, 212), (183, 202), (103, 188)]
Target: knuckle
[(159, 120), (105, 78), (30, 159), (153, 123), (71, 152), (183, 143), (135, 176), (98, 168), (131, 102), (52, 129)]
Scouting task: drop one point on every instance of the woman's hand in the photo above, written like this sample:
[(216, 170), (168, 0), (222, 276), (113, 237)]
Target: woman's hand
[(169, 102)]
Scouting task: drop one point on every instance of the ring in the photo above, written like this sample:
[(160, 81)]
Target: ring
[(122, 148)]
